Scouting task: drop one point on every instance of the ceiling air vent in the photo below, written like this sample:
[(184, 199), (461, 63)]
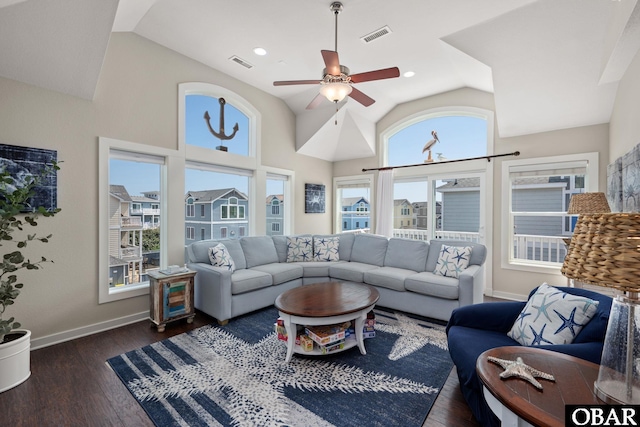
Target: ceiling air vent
[(376, 34), (241, 61)]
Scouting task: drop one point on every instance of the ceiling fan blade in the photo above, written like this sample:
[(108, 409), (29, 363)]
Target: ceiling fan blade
[(386, 73), (361, 97), (296, 82), (331, 62), (315, 101)]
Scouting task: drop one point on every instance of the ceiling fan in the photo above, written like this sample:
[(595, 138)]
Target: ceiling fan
[(337, 82)]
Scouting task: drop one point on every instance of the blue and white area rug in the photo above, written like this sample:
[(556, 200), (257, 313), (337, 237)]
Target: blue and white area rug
[(235, 375)]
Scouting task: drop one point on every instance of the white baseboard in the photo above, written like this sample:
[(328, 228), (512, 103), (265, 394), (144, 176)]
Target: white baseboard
[(72, 334), (509, 296)]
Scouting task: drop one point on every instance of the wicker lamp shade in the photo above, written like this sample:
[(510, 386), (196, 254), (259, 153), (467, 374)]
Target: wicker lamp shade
[(585, 203), (605, 251)]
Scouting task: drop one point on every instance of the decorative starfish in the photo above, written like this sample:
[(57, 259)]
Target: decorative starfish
[(413, 334), (519, 369)]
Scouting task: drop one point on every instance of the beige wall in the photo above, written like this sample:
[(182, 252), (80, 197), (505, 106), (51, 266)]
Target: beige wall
[(625, 119), (136, 100)]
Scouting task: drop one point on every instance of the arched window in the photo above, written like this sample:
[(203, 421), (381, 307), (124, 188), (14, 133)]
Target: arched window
[(441, 199), (459, 136)]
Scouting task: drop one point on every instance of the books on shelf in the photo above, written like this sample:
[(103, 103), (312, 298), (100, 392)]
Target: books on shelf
[(328, 338)]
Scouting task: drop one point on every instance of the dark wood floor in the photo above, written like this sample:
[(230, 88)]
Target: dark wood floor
[(71, 385)]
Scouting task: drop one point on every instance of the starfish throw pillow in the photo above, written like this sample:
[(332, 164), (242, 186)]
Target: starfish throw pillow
[(452, 260), (219, 257), (299, 249), (552, 316), (326, 249)]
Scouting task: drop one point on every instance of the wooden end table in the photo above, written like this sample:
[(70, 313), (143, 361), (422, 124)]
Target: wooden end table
[(170, 297), (518, 403), (326, 304)]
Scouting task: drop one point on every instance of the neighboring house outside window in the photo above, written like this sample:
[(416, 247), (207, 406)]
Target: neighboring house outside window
[(275, 214), (354, 211), (224, 213)]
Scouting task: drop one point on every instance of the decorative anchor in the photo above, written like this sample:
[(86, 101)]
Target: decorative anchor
[(220, 135)]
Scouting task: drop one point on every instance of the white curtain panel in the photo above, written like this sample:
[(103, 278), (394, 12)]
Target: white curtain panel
[(384, 203)]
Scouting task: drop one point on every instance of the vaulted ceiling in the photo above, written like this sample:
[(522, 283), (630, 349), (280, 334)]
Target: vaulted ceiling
[(551, 64)]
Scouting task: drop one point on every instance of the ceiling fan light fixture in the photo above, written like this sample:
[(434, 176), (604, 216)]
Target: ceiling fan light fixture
[(335, 91)]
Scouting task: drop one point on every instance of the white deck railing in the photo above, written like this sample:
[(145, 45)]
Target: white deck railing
[(539, 248), (526, 246)]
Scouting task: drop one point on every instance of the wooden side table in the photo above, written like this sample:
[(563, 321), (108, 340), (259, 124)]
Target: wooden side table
[(518, 403), (170, 297)]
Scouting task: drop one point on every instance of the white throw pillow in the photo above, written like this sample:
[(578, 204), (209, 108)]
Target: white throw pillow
[(219, 257), (452, 260), (299, 249), (552, 316), (326, 249)]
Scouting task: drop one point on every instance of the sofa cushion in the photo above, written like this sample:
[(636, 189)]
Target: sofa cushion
[(427, 283), (281, 272), (249, 280), (299, 248), (326, 249), (345, 244), (452, 260), (369, 249), (388, 277), (219, 257), (316, 269), (478, 252), (552, 316), (407, 254), (350, 271), (200, 251), (280, 242), (258, 250)]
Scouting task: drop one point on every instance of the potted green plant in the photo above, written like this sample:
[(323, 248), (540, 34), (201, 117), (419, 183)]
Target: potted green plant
[(17, 217)]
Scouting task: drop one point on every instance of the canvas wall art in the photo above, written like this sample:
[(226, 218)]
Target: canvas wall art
[(614, 185), (314, 198), (23, 162), (631, 180)]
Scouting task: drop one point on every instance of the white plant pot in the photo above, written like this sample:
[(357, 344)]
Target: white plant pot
[(15, 361)]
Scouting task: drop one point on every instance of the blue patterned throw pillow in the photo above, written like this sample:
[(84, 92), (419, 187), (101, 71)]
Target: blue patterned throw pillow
[(326, 249), (299, 249), (452, 260), (219, 257), (552, 316)]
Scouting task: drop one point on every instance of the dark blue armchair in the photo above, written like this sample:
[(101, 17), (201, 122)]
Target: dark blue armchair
[(476, 328)]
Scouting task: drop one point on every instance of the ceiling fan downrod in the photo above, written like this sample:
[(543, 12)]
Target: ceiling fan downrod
[(336, 7)]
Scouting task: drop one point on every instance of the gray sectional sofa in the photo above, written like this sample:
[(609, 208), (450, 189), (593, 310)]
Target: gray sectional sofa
[(400, 269)]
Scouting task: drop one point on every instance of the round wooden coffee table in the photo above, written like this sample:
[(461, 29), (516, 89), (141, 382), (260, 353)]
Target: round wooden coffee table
[(326, 304)]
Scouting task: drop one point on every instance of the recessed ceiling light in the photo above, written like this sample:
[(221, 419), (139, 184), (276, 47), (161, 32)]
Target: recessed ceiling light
[(259, 51), (409, 74)]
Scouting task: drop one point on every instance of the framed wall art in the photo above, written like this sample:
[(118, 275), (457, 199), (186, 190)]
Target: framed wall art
[(314, 198), (24, 162)]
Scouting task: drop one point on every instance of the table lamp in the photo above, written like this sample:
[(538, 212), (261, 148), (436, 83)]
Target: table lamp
[(586, 203), (605, 251)]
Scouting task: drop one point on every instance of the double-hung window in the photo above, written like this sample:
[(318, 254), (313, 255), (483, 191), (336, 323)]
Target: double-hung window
[(128, 248), (536, 195)]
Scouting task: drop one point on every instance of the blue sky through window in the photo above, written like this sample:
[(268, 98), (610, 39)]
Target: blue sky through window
[(460, 137)]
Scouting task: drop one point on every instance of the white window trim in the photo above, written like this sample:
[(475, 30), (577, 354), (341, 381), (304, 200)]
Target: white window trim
[(361, 181), (105, 145), (204, 155), (539, 163), (265, 173)]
